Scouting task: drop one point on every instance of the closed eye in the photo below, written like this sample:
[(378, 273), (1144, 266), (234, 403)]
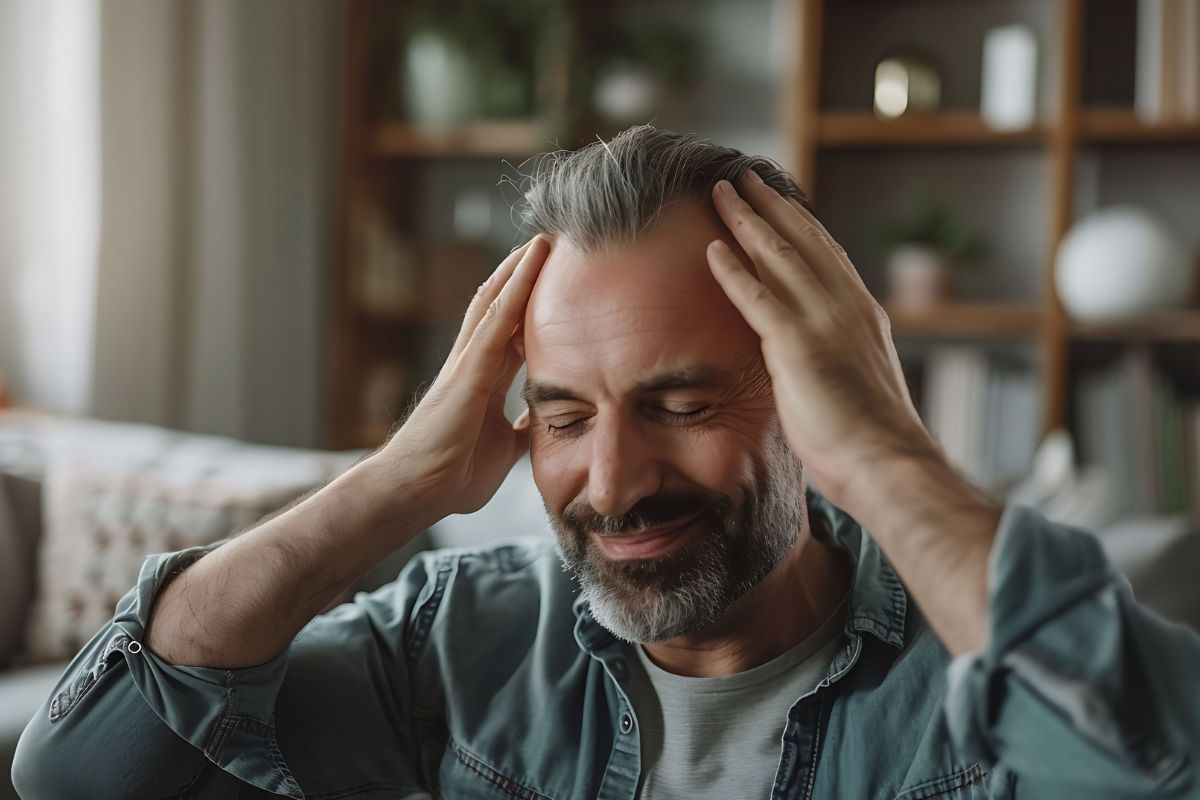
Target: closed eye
[(688, 417), (670, 416)]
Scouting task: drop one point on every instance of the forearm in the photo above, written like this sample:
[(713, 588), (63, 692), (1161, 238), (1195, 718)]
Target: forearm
[(242, 604), (938, 531)]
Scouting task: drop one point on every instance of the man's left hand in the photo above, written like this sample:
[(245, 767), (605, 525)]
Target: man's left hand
[(846, 410), (839, 389)]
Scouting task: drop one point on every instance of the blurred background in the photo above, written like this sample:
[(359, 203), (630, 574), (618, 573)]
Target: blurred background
[(235, 238)]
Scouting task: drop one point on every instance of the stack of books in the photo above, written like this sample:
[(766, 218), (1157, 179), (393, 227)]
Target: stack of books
[(984, 410), (1167, 81), (1143, 434)]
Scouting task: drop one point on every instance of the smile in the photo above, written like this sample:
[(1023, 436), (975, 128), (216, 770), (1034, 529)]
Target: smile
[(648, 542)]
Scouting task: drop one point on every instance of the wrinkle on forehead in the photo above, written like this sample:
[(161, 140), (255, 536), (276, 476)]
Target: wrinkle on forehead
[(661, 281)]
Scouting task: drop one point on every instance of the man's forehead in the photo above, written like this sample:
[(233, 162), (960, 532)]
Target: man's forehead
[(619, 320), (661, 280)]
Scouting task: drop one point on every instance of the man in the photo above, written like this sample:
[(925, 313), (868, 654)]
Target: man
[(696, 351)]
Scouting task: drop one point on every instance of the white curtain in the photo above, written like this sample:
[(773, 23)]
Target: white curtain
[(48, 199), (180, 158)]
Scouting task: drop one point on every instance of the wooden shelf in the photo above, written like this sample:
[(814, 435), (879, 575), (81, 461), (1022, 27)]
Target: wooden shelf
[(1115, 125), (476, 140), (863, 129), (1167, 326), (968, 320)]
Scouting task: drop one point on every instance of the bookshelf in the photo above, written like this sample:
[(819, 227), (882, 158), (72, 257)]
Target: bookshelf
[(1081, 121)]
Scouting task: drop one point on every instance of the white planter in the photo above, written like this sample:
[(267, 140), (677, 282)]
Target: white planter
[(438, 80), (1010, 76), (1120, 263), (918, 277)]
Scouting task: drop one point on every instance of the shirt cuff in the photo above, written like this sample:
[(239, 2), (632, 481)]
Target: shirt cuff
[(227, 714)]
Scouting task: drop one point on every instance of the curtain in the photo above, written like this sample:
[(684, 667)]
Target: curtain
[(181, 155)]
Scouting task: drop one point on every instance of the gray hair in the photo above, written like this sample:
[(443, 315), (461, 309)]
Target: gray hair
[(611, 192)]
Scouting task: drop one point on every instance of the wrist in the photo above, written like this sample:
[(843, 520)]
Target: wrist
[(392, 505), (904, 492)]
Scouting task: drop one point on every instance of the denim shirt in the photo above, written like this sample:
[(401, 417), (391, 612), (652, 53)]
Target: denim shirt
[(481, 673)]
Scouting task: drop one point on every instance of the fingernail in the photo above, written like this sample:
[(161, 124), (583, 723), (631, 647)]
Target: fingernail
[(725, 188), (754, 176)]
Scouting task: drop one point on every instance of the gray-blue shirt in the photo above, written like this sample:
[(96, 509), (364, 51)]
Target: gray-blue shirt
[(482, 674)]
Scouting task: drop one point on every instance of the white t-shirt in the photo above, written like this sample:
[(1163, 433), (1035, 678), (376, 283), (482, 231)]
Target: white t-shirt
[(722, 737)]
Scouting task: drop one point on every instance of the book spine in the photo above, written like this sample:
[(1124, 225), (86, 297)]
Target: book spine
[(1168, 69), (1148, 76), (1189, 60)]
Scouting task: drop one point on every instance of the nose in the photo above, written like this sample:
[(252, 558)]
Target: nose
[(623, 468)]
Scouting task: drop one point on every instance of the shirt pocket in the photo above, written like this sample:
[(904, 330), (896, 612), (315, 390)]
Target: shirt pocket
[(466, 776), (966, 784)]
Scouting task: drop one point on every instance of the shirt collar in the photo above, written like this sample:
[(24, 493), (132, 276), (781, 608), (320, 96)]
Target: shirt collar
[(878, 601)]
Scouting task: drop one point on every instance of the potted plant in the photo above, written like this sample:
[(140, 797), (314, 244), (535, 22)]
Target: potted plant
[(921, 251), (469, 59)]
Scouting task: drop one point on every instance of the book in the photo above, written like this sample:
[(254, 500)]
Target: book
[(1193, 439), (1189, 60), (1147, 100), (1168, 69)]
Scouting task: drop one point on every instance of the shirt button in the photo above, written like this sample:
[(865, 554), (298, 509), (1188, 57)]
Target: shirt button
[(626, 722)]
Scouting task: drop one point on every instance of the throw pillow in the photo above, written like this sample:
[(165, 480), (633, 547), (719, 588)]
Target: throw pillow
[(100, 522)]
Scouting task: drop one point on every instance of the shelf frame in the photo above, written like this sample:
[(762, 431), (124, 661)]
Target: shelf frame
[(859, 129)]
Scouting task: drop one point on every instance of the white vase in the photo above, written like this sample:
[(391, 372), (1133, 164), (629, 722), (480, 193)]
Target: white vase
[(438, 80), (1119, 263), (626, 93), (1008, 97), (918, 277)]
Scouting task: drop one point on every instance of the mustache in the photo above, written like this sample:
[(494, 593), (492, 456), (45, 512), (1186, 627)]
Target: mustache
[(648, 512)]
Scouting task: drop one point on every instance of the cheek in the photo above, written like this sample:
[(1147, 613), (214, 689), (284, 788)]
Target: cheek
[(557, 468), (720, 460)]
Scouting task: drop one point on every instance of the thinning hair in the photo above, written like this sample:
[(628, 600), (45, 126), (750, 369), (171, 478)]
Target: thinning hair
[(609, 193)]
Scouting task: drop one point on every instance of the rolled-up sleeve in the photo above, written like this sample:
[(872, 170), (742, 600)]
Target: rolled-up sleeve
[(123, 721), (1079, 692)]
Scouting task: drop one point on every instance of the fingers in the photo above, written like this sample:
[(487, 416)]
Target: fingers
[(806, 233), (759, 306), (484, 295), (779, 263), (485, 347), (513, 361)]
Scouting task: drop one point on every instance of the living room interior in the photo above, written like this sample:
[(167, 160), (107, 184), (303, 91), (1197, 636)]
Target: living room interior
[(237, 240)]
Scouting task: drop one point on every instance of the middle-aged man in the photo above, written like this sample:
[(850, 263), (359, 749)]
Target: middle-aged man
[(697, 350)]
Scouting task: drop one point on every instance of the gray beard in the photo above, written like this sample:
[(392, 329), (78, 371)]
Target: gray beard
[(691, 587)]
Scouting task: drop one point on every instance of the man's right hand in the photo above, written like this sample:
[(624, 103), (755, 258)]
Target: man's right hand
[(456, 447), (243, 603)]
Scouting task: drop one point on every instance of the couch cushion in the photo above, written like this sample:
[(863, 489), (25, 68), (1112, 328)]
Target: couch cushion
[(113, 493), (101, 522)]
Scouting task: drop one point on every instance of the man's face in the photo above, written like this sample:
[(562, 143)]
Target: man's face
[(655, 441)]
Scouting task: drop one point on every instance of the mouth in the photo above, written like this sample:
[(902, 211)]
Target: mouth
[(648, 542)]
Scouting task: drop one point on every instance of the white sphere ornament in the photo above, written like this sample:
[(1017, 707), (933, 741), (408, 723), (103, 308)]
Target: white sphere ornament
[(1119, 263)]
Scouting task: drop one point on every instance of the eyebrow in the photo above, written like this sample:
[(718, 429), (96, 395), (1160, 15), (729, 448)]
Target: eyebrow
[(700, 376)]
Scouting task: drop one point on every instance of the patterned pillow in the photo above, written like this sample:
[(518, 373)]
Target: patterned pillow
[(100, 522)]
